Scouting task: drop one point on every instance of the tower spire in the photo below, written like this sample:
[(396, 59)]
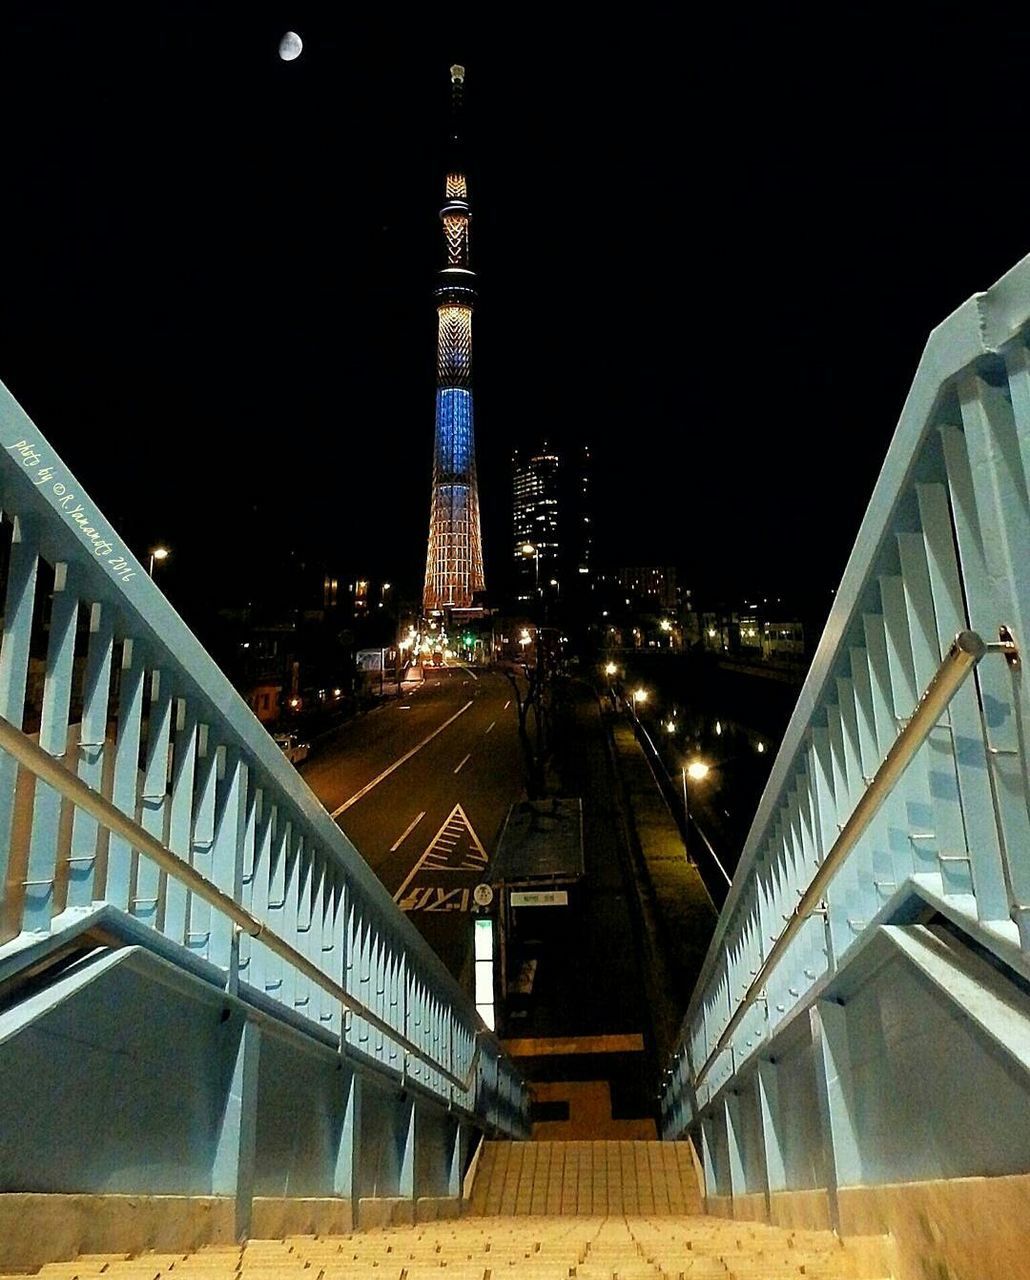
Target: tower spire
[(454, 561), (457, 101)]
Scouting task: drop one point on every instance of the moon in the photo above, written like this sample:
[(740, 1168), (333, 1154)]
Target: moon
[(290, 46)]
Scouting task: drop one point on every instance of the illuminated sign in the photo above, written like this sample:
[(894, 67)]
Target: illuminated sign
[(539, 898)]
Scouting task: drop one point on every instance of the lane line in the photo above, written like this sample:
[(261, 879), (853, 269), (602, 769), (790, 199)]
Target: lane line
[(407, 832), (492, 723), (507, 704), (463, 763), (471, 672), (397, 763)]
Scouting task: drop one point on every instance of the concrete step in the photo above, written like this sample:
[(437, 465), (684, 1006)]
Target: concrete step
[(530, 1247), (578, 1178)]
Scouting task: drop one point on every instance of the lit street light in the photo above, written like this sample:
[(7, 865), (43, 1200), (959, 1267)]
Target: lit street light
[(696, 771), (158, 554), (639, 696), (530, 549), (610, 669)]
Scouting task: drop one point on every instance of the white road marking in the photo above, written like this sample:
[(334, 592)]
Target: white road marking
[(463, 763), (507, 704), (397, 763), (407, 832), (471, 673), (437, 857), (492, 723)]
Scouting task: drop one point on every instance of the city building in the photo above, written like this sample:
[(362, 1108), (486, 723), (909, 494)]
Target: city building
[(769, 632), (580, 542), (655, 587), (536, 507), (552, 530), (454, 562)]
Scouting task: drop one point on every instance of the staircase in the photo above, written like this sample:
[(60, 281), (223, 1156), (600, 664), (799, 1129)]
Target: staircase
[(588, 1248), (595, 1178), (539, 1211)]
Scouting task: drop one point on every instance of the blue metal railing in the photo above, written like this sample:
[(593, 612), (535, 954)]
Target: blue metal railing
[(203, 844), (944, 549)]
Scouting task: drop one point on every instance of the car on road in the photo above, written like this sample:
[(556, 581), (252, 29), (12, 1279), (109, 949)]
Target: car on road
[(292, 746)]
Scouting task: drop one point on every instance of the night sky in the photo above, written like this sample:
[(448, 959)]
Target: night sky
[(712, 246)]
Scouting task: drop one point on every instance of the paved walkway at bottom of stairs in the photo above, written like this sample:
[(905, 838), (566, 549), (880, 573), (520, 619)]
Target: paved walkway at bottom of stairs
[(685, 913)]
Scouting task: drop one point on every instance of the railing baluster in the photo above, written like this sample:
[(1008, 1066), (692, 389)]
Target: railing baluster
[(227, 854), (198, 930), (126, 770), (905, 691), (276, 908), (938, 754), (305, 919), (53, 738), (249, 860), (971, 762), (261, 888), (180, 821), (146, 900), (92, 745), (999, 491), (338, 931), (290, 988), (14, 662)]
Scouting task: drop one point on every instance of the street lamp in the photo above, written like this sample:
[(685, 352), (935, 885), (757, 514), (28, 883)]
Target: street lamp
[(639, 696), (158, 554), (696, 771), (610, 669), (531, 549)]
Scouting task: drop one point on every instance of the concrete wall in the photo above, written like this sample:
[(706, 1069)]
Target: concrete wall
[(141, 1107), (117, 1079), (300, 1094), (960, 1229), (900, 1105)]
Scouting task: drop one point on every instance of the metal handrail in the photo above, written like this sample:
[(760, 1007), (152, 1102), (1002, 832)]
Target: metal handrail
[(966, 651), (49, 768)]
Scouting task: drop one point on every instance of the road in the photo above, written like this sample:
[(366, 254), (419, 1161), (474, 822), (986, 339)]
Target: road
[(421, 786)]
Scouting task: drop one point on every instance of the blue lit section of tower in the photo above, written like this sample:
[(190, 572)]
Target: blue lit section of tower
[(454, 563)]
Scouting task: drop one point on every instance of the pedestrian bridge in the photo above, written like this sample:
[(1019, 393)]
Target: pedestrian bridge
[(216, 1028)]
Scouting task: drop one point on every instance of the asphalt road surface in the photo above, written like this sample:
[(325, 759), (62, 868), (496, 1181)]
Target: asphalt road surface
[(421, 786)]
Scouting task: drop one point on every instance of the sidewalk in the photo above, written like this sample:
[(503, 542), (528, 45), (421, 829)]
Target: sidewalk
[(679, 914), (583, 1033)]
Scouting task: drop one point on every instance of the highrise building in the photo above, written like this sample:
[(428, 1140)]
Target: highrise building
[(454, 563), (580, 539), (551, 506), (536, 506)]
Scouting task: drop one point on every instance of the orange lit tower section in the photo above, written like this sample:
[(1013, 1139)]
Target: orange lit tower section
[(454, 564)]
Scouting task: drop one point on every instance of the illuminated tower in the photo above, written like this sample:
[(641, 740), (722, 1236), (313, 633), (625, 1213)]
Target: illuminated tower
[(454, 564)]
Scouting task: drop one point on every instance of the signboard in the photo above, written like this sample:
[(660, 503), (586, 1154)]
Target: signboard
[(539, 898), (482, 895)]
